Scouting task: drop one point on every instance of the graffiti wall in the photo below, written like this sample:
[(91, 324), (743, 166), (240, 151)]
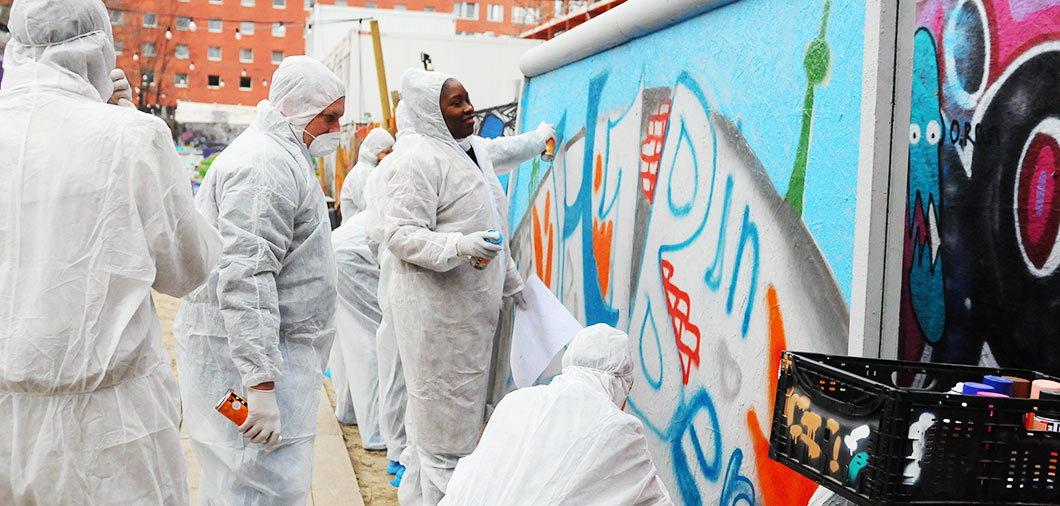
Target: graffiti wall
[(983, 211), (702, 198)]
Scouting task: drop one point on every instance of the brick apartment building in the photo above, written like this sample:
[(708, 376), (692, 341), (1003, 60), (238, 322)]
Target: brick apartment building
[(212, 51), (225, 51)]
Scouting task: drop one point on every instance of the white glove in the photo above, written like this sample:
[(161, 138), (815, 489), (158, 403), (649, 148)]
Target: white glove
[(122, 94), (545, 131), (478, 244), (519, 300), (263, 422)]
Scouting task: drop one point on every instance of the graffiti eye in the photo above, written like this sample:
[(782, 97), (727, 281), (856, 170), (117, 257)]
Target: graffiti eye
[(934, 132), (914, 133)]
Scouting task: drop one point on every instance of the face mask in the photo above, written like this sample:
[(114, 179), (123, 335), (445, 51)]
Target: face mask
[(324, 144)]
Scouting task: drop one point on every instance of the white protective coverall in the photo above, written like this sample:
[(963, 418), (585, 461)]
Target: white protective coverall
[(567, 442), (357, 315), (444, 311), (267, 312), (506, 153), (95, 211), (351, 198)]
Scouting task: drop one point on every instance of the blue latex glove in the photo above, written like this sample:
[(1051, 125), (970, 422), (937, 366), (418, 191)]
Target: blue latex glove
[(393, 467)]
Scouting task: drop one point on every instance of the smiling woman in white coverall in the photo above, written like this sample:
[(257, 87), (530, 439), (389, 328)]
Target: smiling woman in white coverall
[(264, 322), (95, 211), (568, 442), (375, 146), (444, 198)]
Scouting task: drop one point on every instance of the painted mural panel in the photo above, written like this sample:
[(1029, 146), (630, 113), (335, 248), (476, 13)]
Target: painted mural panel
[(702, 198), (980, 283)]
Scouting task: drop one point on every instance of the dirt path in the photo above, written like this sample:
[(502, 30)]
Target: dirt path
[(370, 466)]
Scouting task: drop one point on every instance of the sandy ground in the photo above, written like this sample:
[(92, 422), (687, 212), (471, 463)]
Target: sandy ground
[(370, 466)]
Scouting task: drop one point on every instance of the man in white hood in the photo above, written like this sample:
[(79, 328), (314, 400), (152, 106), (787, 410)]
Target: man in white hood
[(95, 212), (375, 146), (445, 208), (568, 442), (264, 322)]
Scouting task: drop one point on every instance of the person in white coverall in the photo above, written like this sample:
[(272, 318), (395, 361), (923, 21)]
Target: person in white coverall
[(354, 369), (264, 322), (95, 212), (357, 315), (568, 442), (505, 153), (444, 200), (375, 146)]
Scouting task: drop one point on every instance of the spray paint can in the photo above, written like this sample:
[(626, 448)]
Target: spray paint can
[(550, 150), (480, 263)]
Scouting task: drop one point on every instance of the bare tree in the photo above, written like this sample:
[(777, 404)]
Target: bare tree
[(146, 31)]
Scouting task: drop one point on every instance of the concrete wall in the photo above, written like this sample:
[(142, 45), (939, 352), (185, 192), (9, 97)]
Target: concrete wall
[(979, 271), (703, 199)]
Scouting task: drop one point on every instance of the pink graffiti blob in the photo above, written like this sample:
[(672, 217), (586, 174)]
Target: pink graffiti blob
[(687, 334), (1037, 206)]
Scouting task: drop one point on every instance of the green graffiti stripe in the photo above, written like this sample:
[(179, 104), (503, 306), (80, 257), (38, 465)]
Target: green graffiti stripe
[(816, 64)]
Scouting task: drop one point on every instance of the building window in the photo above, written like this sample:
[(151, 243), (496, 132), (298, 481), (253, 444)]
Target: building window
[(147, 79), (213, 54), (279, 4), (370, 5), (213, 82), (246, 28), (277, 57), (119, 46), (246, 55), (309, 4), (180, 80), (340, 3), (148, 49), (215, 25), (247, 3), (400, 7), (181, 52), (218, 2), (465, 10), (244, 83), (278, 30), (117, 18), (495, 13), (524, 16), (150, 20), (428, 9), (183, 23)]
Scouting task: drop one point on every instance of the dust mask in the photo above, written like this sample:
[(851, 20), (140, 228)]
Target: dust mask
[(324, 144)]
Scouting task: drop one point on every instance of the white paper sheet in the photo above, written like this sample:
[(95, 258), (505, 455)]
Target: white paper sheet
[(540, 331)]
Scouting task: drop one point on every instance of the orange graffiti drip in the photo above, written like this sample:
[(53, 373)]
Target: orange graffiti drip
[(341, 168), (678, 305), (544, 270), (602, 233), (780, 486), (599, 172)]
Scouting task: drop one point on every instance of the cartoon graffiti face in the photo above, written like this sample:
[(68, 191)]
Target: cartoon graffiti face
[(925, 135)]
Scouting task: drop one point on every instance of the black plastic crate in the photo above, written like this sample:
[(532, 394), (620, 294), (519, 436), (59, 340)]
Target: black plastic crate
[(887, 432)]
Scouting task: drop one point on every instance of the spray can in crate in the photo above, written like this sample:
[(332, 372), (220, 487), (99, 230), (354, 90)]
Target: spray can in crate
[(480, 263)]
